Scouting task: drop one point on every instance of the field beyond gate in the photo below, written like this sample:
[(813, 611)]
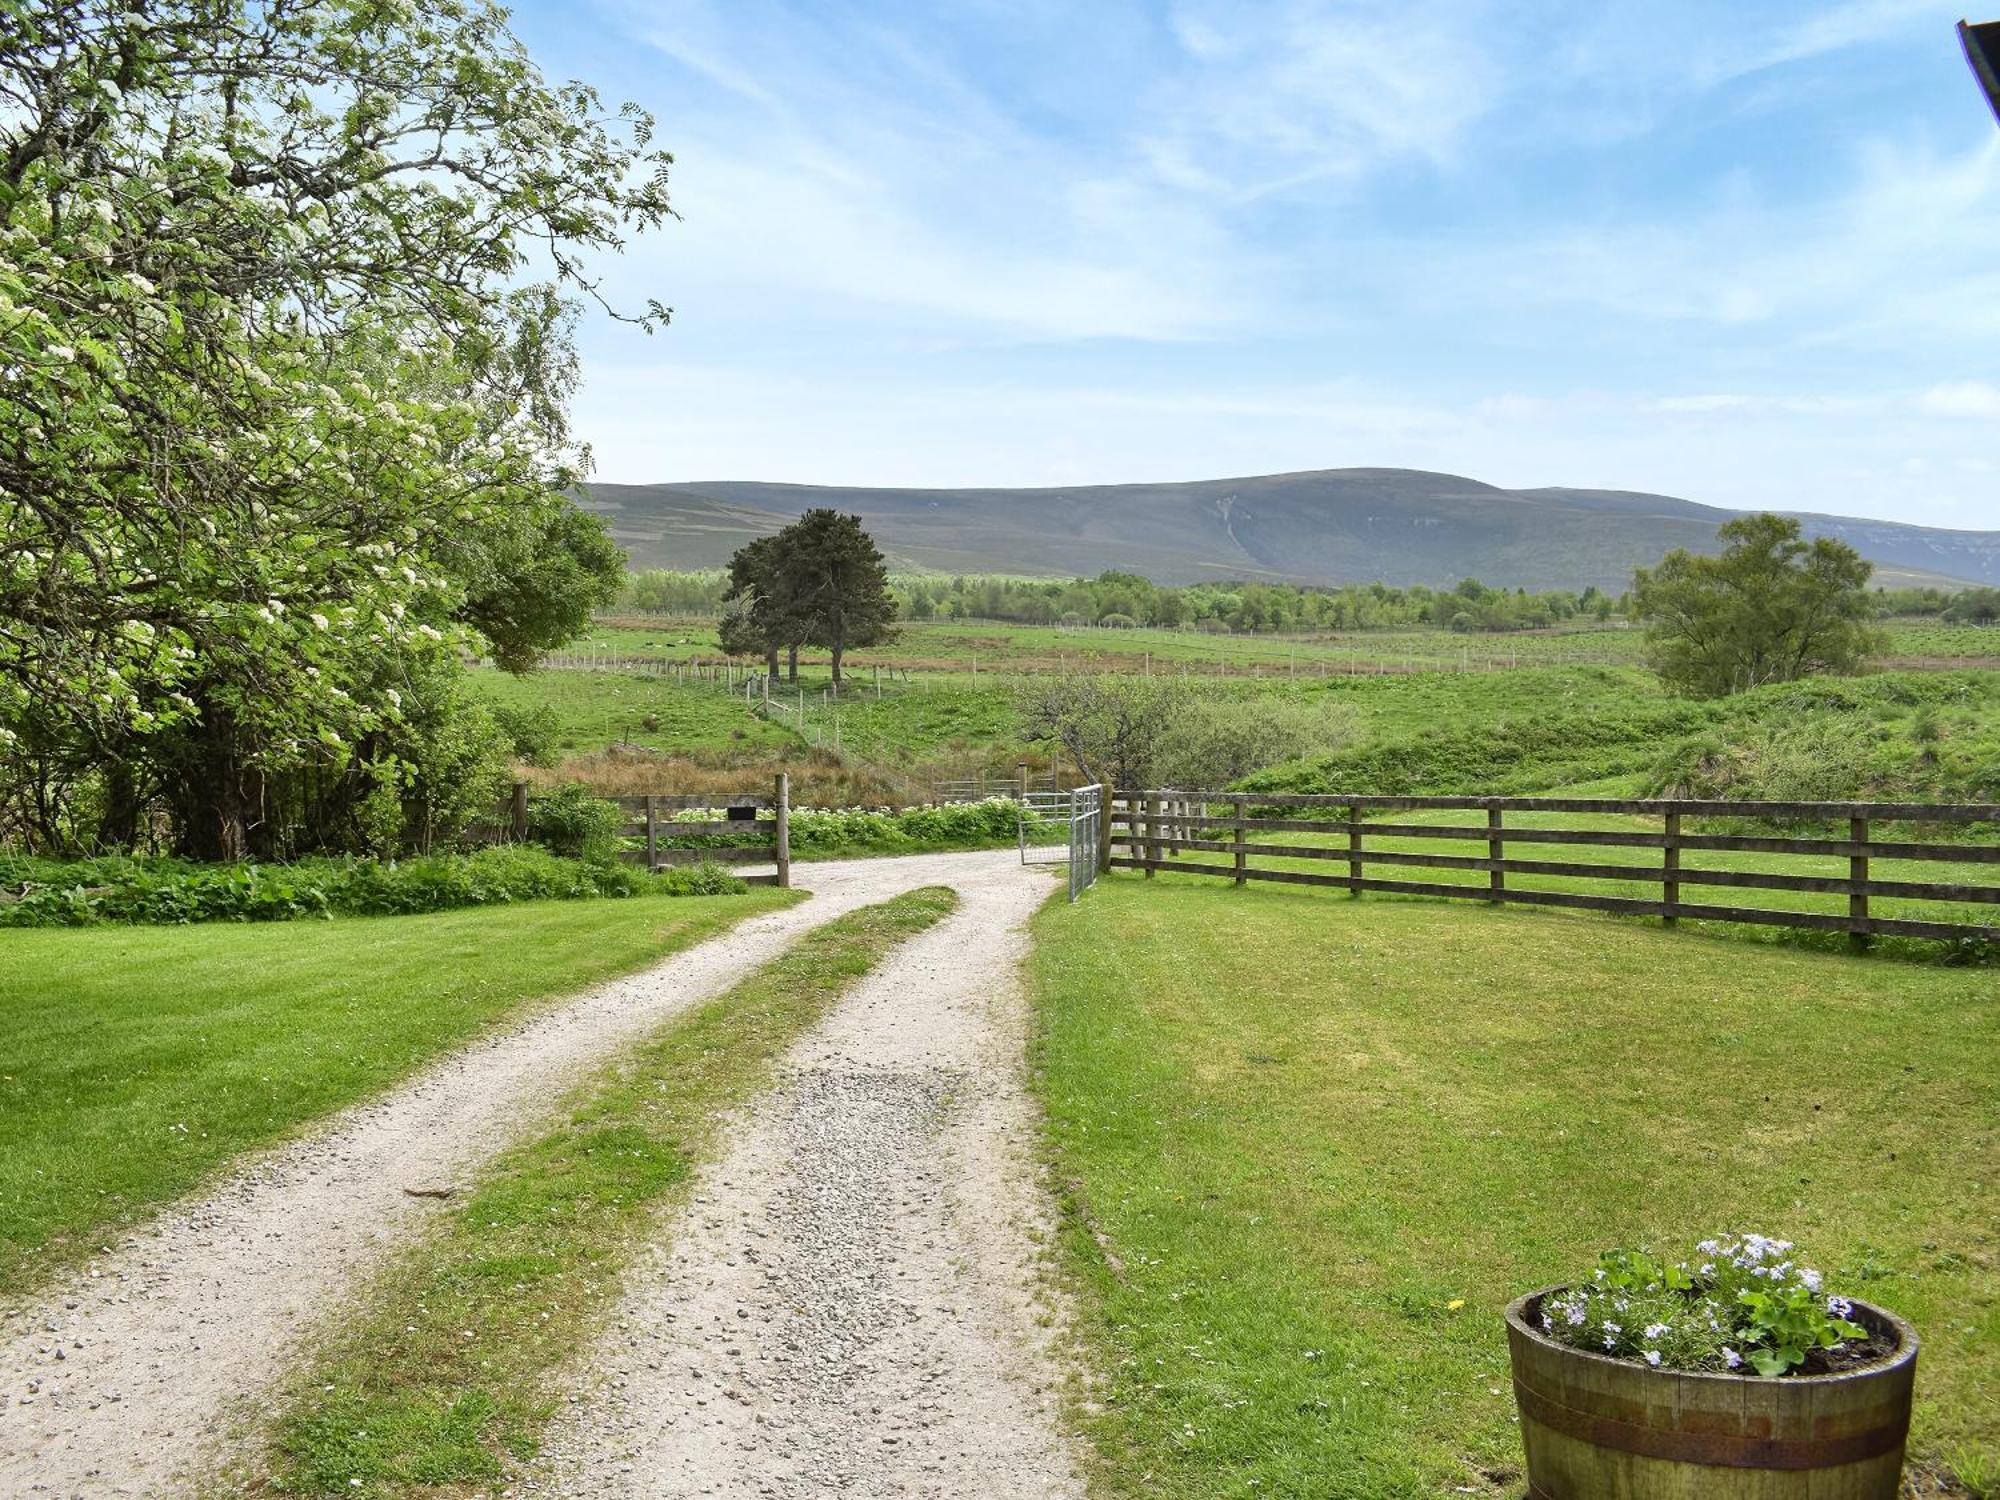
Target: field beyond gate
[(1642, 842)]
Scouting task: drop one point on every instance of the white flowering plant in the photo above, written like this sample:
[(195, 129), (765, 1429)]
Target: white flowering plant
[(1742, 1303)]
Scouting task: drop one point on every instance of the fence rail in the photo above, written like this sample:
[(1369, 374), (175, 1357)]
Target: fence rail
[(1156, 827), (742, 835)]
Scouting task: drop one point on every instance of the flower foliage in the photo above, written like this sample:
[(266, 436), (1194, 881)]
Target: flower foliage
[(1743, 1303), (284, 362)]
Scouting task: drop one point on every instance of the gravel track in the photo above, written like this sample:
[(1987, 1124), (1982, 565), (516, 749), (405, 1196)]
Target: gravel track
[(849, 1305), (121, 1382)]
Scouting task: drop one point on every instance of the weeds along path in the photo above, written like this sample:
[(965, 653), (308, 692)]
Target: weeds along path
[(122, 1381), (849, 1305)]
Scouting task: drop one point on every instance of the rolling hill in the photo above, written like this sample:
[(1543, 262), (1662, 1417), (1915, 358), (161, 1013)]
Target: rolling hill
[(1324, 526)]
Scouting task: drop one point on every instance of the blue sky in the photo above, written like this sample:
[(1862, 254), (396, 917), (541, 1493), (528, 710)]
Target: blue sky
[(1745, 253)]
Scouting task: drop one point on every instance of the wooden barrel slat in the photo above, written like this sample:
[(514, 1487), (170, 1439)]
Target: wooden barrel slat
[(1596, 1428)]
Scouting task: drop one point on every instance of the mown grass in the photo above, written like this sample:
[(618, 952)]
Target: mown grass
[(1296, 1129), (443, 1376), (135, 1062)]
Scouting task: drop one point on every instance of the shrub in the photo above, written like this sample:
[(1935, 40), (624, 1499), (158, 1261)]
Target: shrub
[(1745, 1302), (1215, 741), (572, 821), (1527, 753), (534, 731), (967, 825), (54, 893)]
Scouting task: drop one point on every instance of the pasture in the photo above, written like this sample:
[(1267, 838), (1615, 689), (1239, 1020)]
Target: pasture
[(953, 646), (1310, 1146)]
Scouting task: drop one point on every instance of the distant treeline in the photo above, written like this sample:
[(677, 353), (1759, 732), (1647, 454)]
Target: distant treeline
[(1124, 599)]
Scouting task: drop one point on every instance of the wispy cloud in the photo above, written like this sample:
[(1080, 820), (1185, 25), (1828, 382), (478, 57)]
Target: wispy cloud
[(1274, 96), (1739, 252)]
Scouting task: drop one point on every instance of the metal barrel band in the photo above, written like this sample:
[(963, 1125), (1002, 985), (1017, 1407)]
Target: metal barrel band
[(1712, 1450)]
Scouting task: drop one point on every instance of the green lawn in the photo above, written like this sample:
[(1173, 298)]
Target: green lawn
[(1297, 1129), (136, 1061)]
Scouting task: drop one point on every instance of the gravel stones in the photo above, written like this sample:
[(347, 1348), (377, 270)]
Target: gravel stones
[(851, 1303)]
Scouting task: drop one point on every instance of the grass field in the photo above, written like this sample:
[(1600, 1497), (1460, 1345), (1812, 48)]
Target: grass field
[(403, 1403), (1312, 1146), (951, 645), (135, 1062), (596, 709)]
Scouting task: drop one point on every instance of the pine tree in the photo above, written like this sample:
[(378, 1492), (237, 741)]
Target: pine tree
[(837, 584)]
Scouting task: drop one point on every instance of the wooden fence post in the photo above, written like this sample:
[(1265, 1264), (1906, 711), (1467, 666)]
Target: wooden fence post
[(1151, 846), (1353, 850), (1496, 850), (1021, 777), (1242, 859), (518, 812), (784, 801), (652, 835), (1670, 869), (1857, 872)]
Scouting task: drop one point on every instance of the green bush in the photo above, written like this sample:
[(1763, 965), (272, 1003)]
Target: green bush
[(1525, 754), (534, 730), (967, 825), (59, 893), (854, 830), (573, 821)]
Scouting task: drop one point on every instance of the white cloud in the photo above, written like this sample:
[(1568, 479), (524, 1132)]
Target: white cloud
[(1964, 398), (1022, 241), (1296, 91)]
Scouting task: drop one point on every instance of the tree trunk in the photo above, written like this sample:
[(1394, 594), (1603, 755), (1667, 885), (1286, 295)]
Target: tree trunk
[(837, 653), (118, 830), (212, 805), (216, 824), (771, 662), (793, 663)]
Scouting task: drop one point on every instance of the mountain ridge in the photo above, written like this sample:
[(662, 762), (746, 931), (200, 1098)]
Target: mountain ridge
[(1318, 526)]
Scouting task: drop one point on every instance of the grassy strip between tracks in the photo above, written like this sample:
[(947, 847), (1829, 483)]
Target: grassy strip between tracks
[(443, 1374)]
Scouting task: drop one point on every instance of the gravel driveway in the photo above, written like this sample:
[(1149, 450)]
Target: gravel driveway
[(121, 1382), (849, 1305)]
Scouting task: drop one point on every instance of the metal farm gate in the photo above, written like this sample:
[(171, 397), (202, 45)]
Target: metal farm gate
[(1063, 828)]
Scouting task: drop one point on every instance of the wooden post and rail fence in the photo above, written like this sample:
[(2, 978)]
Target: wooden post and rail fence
[(1152, 829), (750, 828)]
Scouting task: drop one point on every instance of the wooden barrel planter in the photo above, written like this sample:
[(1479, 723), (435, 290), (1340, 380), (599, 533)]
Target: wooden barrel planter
[(1597, 1428)]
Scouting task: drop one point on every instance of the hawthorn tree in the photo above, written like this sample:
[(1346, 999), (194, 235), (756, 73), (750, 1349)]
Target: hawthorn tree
[(286, 289), (1772, 607)]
